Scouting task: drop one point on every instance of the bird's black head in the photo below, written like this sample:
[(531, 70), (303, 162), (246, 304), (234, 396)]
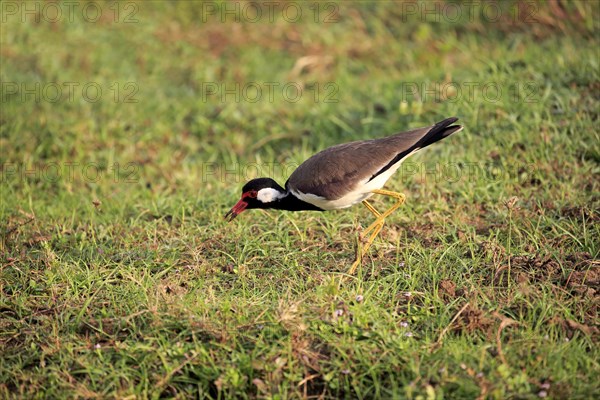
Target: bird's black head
[(257, 193)]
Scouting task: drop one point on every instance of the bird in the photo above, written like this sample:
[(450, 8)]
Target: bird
[(344, 175)]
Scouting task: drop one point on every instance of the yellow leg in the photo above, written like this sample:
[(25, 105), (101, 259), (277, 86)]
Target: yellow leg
[(399, 200), (376, 225), (371, 208)]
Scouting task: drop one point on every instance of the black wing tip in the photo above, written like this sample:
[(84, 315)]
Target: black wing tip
[(447, 122), (446, 127), (439, 131)]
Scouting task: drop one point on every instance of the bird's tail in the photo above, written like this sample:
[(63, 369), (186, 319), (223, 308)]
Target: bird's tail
[(439, 131)]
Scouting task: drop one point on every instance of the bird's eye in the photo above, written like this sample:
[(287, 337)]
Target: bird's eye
[(252, 194)]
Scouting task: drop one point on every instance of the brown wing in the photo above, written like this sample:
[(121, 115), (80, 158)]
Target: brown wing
[(336, 170)]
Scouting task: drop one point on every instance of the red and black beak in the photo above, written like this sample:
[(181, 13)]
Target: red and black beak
[(238, 208)]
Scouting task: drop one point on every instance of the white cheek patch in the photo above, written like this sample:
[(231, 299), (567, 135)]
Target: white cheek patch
[(268, 195)]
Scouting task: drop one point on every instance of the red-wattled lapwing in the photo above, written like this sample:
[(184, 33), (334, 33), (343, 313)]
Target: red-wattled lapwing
[(343, 175)]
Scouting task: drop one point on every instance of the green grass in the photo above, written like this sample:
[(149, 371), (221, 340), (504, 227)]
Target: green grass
[(120, 279)]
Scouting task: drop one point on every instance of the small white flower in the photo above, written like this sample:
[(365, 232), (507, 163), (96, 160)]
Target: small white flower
[(404, 324), (359, 298), (542, 393), (408, 334), (338, 313), (407, 294), (97, 346)]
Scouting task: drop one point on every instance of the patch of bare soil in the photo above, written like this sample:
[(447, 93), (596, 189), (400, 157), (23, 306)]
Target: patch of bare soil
[(577, 272), (472, 319), (448, 290), (570, 327), (424, 233), (584, 278), (536, 268), (581, 213)]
